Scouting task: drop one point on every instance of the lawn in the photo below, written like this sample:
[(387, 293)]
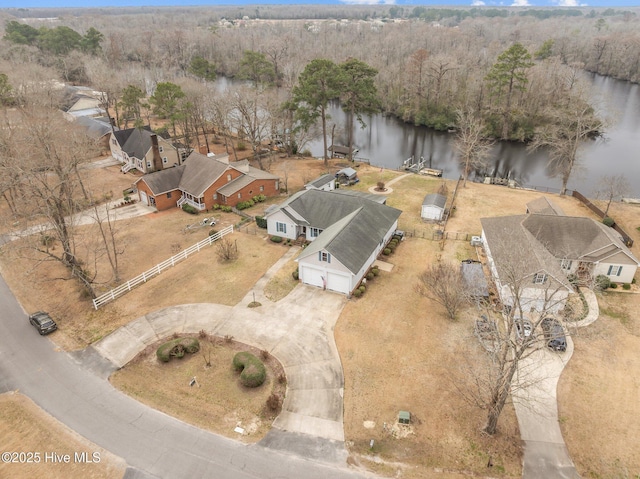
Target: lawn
[(25, 428), (217, 401)]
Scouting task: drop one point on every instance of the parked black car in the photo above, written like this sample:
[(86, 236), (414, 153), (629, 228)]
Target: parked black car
[(554, 334), (43, 322)]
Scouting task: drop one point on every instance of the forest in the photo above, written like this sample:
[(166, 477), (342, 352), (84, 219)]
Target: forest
[(509, 74)]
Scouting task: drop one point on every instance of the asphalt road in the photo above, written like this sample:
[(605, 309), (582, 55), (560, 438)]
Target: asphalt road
[(73, 389)]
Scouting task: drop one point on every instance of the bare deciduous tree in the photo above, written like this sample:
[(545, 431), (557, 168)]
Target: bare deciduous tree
[(472, 146), (612, 187), (226, 249), (443, 283)]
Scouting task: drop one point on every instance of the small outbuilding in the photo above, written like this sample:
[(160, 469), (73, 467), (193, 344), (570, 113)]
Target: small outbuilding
[(433, 207), (325, 183), (347, 176)]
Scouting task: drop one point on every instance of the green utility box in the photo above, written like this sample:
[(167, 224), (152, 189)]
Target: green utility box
[(404, 417)]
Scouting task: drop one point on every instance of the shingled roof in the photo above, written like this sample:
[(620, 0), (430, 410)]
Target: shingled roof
[(135, 142), (352, 225)]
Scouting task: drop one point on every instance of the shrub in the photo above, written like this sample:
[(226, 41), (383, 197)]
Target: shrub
[(213, 232), (187, 208), (215, 206), (626, 286), (225, 208), (243, 205), (176, 348), (386, 251), (296, 275), (602, 282), (375, 271), (276, 239), (607, 220), (282, 378), (362, 288), (252, 371), (573, 279), (357, 293), (261, 222), (273, 402), (370, 275), (613, 285)]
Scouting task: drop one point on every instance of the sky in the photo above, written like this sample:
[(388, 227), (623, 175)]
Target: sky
[(488, 3)]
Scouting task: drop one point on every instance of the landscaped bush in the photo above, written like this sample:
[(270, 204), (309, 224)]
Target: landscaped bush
[(259, 198), (243, 205), (212, 232), (602, 282), (608, 221), (613, 285), (252, 371), (276, 239), (215, 206), (626, 286), (362, 288), (375, 271), (370, 275), (386, 251), (176, 348), (225, 208), (187, 208), (357, 293), (296, 275), (261, 222), (274, 401)]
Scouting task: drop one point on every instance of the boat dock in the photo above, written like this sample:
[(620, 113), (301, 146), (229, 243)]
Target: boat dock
[(419, 167)]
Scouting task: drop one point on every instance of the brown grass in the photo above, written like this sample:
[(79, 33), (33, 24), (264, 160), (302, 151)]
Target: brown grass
[(24, 427), (399, 353), (282, 282), (219, 403)]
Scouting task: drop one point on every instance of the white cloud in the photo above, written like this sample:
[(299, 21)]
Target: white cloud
[(477, 3), (569, 3), (520, 3)]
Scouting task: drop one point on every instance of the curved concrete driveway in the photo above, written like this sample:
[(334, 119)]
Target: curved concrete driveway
[(545, 453), (298, 330)]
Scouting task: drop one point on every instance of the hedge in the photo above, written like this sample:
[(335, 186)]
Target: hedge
[(189, 209), (276, 239), (252, 371), (176, 348), (261, 222)]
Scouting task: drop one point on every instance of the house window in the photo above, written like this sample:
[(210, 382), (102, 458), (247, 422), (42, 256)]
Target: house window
[(566, 264), (239, 195), (261, 188), (148, 164), (169, 195), (314, 232), (281, 227), (539, 278), (324, 256), (160, 149), (215, 196), (164, 160), (229, 177), (614, 270)]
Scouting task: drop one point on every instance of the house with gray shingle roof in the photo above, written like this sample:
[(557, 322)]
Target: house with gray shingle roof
[(203, 181), (347, 233), (143, 150), (532, 255)]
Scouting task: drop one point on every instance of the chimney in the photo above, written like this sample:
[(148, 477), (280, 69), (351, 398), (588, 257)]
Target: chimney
[(157, 159)]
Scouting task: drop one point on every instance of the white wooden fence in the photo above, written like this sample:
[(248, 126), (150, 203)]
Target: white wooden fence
[(159, 268)]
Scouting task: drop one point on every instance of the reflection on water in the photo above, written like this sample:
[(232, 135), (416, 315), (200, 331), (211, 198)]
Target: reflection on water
[(387, 142)]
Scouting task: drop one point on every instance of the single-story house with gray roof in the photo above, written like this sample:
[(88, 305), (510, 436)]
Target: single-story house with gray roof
[(143, 150), (531, 256), (347, 233), (433, 207), (202, 181)]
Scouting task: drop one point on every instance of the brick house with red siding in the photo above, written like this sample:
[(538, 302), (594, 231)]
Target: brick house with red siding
[(203, 181)]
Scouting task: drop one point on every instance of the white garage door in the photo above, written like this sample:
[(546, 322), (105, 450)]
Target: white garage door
[(311, 276), (143, 198), (338, 282)]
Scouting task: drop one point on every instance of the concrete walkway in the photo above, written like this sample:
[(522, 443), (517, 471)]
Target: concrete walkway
[(297, 330), (545, 452)]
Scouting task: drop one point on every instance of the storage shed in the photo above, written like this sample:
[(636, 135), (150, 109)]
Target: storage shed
[(433, 207), (325, 182)]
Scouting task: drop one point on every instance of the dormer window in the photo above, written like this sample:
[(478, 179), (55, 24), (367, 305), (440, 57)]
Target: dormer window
[(324, 256), (539, 278)]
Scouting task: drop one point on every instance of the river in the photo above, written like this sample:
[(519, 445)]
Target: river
[(387, 141)]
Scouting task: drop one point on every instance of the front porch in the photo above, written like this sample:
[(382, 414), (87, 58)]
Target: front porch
[(197, 203)]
